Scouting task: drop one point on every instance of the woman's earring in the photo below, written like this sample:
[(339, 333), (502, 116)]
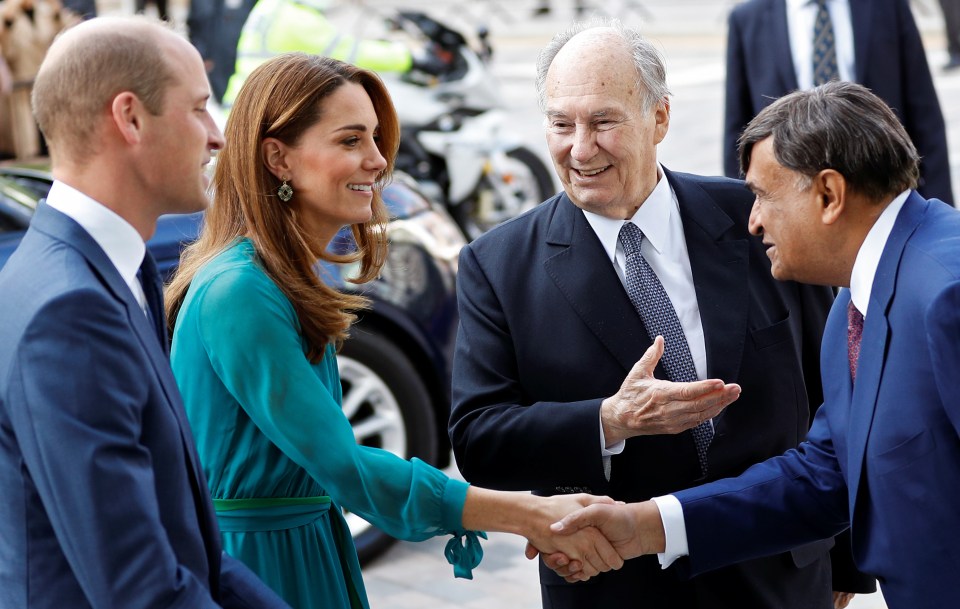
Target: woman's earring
[(285, 192)]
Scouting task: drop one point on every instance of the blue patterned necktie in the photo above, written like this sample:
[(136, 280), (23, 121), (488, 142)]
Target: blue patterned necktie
[(153, 290), (660, 318), (824, 47)]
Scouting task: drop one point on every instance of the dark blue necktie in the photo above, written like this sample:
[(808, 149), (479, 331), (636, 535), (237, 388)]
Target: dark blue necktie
[(824, 47), (660, 318), (153, 290)]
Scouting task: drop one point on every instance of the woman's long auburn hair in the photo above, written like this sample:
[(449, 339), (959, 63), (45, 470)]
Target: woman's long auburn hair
[(283, 98)]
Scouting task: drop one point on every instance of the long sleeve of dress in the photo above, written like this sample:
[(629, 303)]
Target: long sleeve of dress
[(249, 333)]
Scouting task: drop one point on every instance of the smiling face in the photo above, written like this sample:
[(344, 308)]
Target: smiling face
[(184, 135), (335, 164), (787, 218), (602, 141)]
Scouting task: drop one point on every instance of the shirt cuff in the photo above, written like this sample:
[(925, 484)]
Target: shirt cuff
[(616, 449), (674, 529)]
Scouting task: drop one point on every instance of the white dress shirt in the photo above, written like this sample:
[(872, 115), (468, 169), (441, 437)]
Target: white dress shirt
[(861, 283), (122, 244), (665, 249), (801, 15)]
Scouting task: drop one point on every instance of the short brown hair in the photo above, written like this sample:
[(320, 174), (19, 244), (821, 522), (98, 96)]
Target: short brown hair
[(84, 72)]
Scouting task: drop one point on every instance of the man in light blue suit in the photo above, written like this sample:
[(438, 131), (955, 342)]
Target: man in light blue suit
[(833, 173), (103, 500)]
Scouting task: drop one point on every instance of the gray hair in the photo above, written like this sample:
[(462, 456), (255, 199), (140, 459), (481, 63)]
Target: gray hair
[(651, 73), (840, 126)]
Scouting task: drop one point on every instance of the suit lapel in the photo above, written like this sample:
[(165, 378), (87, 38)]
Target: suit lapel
[(720, 277), (584, 275), (63, 228), (861, 15), (876, 332), (777, 31)]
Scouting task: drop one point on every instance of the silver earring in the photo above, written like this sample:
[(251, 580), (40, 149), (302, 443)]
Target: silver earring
[(285, 192)]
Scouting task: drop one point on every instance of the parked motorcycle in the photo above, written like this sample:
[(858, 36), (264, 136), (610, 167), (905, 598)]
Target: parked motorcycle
[(455, 140)]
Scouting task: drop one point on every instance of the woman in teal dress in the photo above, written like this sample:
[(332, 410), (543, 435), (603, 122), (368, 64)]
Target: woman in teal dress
[(310, 143)]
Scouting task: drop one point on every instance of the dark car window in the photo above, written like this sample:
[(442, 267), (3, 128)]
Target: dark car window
[(18, 202)]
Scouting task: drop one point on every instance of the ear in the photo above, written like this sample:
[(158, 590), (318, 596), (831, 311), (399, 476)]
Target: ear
[(831, 189), (126, 112), (275, 156), (662, 116)]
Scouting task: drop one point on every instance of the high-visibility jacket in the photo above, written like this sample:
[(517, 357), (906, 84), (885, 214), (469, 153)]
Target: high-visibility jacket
[(281, 26)]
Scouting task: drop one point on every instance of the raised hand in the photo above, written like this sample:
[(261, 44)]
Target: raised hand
[(645, 405)]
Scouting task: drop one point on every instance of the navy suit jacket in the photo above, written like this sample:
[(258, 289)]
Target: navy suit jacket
[(547, 332), (883, 454), (889, 60), (103, 500)]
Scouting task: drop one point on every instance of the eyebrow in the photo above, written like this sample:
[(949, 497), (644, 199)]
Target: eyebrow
[(755, 189), (356, 127), (603, 112)]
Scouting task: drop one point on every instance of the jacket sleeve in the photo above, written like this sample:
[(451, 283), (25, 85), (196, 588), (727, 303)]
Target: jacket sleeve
[(82, 439), (921, 115), (737, 107), (500, 437)]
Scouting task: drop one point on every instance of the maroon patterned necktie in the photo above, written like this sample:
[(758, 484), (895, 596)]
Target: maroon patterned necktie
[(854, 334)]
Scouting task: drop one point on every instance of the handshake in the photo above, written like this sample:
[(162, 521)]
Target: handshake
[(594, 534)]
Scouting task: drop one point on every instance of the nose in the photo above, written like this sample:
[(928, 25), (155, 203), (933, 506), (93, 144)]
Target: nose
[(375, 160), (584, 144), (214, 137), (755, 224)]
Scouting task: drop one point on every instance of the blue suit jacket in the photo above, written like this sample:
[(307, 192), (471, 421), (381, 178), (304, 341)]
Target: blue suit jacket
[(889, 60), (883, 455), (547, 331), (103, 500)]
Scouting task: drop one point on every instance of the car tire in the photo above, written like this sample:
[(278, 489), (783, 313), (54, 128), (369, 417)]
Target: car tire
[(389, 407)]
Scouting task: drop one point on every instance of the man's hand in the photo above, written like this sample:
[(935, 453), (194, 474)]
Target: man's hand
[(633, 529), (586, 551), (645, 405), (842, 599)]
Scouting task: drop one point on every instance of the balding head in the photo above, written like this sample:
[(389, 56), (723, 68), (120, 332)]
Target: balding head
[(605, 44), (87, 66)]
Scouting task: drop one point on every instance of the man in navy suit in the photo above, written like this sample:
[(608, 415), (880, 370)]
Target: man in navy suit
[(103, 500), (548, 391), (834, 172), (770, 52)]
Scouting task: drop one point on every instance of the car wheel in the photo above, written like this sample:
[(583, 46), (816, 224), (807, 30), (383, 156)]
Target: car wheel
[(389, 407)]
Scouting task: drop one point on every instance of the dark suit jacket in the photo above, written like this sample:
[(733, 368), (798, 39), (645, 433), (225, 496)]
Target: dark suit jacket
[(889, 60), (883, 454), (547, 331), (103, 500)]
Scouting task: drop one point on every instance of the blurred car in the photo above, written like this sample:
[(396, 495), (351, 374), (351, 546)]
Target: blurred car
[(395, 368)]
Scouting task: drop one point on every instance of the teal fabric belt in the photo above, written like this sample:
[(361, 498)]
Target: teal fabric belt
[(269, 514)]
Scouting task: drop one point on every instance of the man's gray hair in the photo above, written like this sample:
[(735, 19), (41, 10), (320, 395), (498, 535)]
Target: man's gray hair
[(840, 126), (651, 73)]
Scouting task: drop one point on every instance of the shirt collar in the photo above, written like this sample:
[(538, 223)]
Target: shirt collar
[(653, 218), (122, 244), (868, 257)]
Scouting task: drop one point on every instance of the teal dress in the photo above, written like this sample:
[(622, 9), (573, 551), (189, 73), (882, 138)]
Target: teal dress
[(275, 445)]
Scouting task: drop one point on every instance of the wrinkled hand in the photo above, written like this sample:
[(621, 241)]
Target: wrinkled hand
[(586, 551), (842, 599), (633, 529), (645, 405)]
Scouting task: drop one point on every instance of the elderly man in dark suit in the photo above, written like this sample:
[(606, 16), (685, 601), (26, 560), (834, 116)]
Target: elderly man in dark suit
[(834, 175), (104, 503), (557, 306), (777, 46)]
